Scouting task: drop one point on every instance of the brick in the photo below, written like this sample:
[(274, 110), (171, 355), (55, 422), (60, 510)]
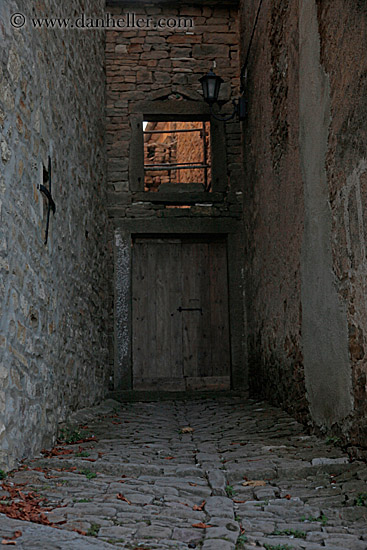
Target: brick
[(121, 87), (134, 48), (220, 38), (155, 40), (155, 62), (144, 76), (181, 51), (167, 63), (121, 48), (162, 77), (210, 51), (184, 39), (154, 55)]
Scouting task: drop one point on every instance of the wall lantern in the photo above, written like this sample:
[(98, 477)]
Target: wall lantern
[(211, 85)]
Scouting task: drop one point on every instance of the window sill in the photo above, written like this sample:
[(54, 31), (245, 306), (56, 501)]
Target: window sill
[(184, 197)]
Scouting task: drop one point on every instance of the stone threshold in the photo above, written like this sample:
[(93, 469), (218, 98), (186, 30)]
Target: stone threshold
[(146, 396)]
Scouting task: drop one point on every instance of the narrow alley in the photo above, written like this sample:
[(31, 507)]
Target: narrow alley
[(214, 474)]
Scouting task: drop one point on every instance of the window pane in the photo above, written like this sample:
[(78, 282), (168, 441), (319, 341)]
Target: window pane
[(176, 152)]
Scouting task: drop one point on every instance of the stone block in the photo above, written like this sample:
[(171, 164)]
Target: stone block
[(184, 39), (121, 48), (210, 51), (219, 506), (220, 38), (154, 55)]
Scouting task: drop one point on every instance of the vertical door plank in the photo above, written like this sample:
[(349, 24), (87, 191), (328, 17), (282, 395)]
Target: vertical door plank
[(219, 310), (168, 320), (175, 318), (150, 337), (162, 357), (190, 299), (204, 351)]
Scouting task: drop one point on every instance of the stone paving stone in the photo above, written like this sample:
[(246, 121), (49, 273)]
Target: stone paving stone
[(157, 488), (217, 481), (223, 529), (219, 506), (218, 545)]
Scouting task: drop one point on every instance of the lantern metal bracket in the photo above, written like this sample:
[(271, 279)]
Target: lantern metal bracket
[(239, 110), (211, 85)]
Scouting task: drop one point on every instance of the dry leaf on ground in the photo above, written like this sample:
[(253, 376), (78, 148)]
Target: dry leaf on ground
[(56, 451), (121, 497), (187, 430), (254, 483), (23, 506), (201, 525), (199, 508), (10, 540), (79, 531)]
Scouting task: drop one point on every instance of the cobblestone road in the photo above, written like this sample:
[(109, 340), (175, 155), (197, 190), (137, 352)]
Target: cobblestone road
[(244, 475)]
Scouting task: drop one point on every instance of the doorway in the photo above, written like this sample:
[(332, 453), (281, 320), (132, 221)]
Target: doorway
[(180, 320)]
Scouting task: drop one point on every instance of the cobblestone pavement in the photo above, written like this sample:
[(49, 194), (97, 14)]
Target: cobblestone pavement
[(243, 475)]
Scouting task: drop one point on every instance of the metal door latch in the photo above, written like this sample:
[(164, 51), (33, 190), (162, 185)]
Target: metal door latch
[(190, 309)]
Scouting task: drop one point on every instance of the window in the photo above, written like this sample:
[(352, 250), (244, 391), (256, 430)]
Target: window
[(177, 154)]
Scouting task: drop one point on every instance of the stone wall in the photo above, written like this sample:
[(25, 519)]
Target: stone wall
[(53, 297), (305, 209)]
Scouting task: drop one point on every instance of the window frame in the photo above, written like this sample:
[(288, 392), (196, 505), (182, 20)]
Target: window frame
[(176, 111)]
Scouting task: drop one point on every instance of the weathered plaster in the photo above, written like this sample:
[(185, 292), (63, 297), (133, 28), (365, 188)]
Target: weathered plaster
[(324, 322), (273, 205)]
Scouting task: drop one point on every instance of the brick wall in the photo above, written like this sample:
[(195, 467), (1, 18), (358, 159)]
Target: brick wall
[(53, 298), (153, 64)]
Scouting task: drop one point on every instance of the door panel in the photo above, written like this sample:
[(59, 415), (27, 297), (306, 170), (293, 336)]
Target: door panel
[(180, 314)]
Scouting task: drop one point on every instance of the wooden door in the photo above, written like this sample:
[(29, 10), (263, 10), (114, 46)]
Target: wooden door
[(180, 314)]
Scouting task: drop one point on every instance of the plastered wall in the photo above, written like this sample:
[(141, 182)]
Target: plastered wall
[(304, 210)]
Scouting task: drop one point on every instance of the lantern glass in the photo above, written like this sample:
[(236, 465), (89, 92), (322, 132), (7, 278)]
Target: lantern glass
[(211, 86)]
